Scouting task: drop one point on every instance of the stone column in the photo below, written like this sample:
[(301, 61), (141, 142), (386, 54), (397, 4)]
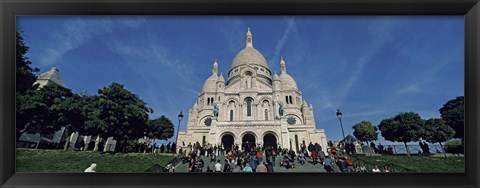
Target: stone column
[(97, 142), (87, 139), (212, 133), (73, 140), (285, 135)]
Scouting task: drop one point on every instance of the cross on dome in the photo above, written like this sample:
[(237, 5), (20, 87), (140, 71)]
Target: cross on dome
[(249, 38)]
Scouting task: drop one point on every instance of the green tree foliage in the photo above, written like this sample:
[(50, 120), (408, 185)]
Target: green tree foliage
[(27, 102), (435, 131), (74, 114), (404, 127), (160, 128), (123, 113), (453, 113), (365, 131), (28, 106), (24, 73), (42, 109), (454, 146)]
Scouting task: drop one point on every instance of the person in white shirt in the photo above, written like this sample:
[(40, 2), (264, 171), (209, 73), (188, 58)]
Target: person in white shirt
[(376, 169), (218, 166)]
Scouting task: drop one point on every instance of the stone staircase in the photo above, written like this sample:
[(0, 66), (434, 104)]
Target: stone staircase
[(307, 167)]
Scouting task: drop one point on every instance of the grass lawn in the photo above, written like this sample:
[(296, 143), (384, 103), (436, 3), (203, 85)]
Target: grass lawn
[(422, 164), (32, 160)]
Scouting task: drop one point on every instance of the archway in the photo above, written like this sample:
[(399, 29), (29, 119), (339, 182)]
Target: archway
[(227, 141), (269, 141), (248, 142)]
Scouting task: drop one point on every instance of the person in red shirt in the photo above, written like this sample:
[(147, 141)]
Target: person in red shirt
[(333, 150), (314, 157), (259, 156)]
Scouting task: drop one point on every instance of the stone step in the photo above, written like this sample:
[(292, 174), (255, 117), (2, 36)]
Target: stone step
[(307, 167)]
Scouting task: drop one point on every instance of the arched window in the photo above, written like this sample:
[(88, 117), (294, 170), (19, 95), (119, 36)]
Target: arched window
[(231, 115), (208, 101), (218, 98), (249, 107), (290, 99), (266, 114), (286, 99)]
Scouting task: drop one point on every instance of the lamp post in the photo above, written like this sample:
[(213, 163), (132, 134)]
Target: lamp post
[(339, 115), (180, 117)]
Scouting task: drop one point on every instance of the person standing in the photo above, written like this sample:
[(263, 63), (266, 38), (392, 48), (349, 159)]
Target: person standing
[(162, 148), (227, 167), (274, 156), (314, 156), (321, 155), (222, 150), (168, 147), (259, 156)]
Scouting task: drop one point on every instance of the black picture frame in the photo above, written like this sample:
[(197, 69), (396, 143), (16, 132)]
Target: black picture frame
[(11, 8)]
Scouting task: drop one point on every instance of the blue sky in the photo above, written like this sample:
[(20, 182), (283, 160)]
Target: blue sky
[(369, 67)]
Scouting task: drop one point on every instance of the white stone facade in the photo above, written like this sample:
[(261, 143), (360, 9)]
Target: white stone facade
[(248, 107)]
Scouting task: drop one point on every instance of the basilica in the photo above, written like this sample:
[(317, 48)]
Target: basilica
[(251, 107)]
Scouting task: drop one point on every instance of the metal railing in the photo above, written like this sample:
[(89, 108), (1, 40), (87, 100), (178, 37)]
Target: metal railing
[(400, 149)]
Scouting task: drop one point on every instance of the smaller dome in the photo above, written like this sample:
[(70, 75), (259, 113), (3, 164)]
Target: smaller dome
[(221, 79), (288, 82), (275, 77), (211, 83), (304, 104)]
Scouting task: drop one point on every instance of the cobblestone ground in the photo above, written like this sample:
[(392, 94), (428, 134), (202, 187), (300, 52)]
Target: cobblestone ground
[(308, 167)]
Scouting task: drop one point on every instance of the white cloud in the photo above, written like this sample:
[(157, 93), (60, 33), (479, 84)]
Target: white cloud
[(291, 28), (77, 32)]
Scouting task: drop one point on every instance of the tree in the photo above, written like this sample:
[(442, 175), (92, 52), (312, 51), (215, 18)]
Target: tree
[(160, 128), (28, 105), (44, 114), (26, 100), (437, 132), (365, 131), (404, 127), (73, 113), (24, 73), (453, 113), (123, 113)]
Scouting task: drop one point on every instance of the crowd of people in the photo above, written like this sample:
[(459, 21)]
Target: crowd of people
[(260, 159)]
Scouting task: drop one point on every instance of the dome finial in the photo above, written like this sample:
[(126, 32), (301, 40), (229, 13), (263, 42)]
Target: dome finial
[(215, 67), (249, 38), (282, 65)]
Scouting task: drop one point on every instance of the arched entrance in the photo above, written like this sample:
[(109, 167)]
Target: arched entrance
[(227, 141), (269, 141), (248, 142)]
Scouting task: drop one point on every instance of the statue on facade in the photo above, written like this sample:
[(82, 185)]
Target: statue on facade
[(280, 108), (215, 110)]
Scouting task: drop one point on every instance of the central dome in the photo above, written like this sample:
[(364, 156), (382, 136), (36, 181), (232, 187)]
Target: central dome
[(249, 55)]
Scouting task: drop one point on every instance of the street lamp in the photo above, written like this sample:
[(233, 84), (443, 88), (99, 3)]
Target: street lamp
[(180, 117), (339, 115)]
